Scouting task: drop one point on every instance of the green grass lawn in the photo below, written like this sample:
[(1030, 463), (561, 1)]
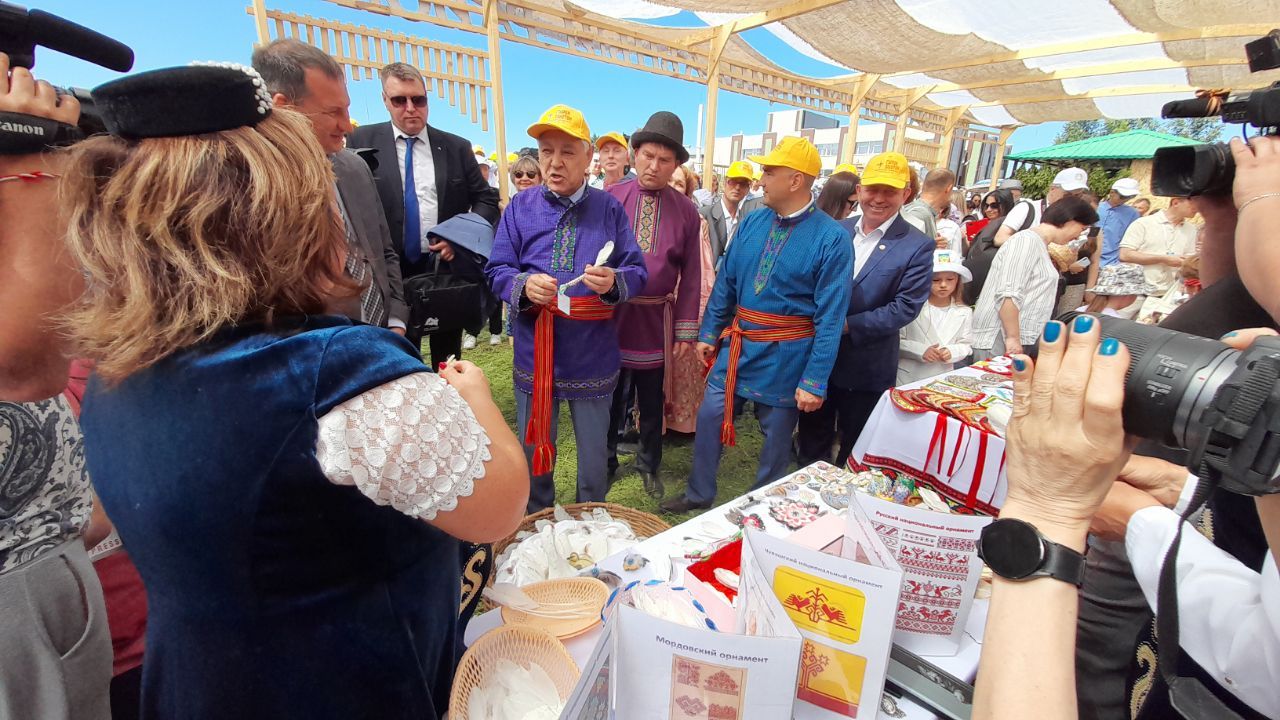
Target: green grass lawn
[(737, 469)]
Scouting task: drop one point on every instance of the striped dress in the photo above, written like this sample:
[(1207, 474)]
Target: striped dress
[(1022, 271)]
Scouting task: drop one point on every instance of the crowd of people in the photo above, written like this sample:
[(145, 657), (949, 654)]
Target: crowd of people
[(249, 292)]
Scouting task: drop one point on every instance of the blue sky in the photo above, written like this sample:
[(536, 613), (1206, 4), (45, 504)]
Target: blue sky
[(174, 32)]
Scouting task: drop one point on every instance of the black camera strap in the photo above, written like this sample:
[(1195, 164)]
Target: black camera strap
[(22, 134), (1233, 414)]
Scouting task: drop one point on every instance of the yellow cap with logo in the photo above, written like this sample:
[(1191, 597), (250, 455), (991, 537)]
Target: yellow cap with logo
[(846, 167), (563, 118), (609, 137), (888, 168), (477, 149), (741, 169), (792, 152)]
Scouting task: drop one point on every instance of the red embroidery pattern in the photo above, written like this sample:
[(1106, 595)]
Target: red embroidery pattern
[(691, 705), (687, 673), (722, 683)]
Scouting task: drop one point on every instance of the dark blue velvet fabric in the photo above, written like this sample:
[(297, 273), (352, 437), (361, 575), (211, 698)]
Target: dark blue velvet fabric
[(273, 592)]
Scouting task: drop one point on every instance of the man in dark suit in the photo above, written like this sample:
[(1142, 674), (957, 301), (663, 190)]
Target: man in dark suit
[(732, 207), (304, 78), (443, 180), (892, 277)]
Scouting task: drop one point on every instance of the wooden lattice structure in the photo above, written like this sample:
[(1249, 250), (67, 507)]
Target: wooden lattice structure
[(904, 65), (455, 73)]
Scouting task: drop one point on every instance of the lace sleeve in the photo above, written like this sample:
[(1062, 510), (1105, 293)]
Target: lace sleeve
[(412, 443)]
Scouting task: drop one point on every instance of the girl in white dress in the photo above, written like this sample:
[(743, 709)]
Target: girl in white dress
[(940, 335)]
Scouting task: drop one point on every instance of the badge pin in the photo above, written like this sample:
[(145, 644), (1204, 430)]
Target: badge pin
[(881, 247)]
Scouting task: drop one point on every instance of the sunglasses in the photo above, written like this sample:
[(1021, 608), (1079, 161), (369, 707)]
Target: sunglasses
[(991, 206), (520, 175), (417, 100)]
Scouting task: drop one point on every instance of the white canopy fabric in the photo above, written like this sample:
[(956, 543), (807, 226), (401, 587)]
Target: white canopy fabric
[(1007, 62)]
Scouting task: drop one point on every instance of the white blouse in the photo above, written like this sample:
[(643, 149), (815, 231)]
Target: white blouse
[(412, 443)]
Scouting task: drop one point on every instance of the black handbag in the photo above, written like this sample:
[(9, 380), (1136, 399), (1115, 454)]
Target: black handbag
[(449, 301)]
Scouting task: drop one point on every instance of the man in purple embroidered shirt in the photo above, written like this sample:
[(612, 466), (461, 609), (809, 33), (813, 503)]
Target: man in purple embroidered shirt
[(663, 318), (566, 341)]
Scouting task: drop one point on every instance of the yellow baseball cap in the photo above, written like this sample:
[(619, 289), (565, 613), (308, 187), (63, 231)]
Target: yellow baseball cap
[(494, 156), (562, 118), (512, 157), (846, 167), (741, 169), (888, 168), (477, 149), (792, 152), (612, 137)]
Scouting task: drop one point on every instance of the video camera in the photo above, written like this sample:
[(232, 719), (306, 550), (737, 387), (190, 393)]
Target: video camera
[(1209, 169), (21, 31)]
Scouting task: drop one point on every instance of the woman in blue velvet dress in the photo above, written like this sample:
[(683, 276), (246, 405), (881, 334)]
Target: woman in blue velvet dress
[(291, 487)]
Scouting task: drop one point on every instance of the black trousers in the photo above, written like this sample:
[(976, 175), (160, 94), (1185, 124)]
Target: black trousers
[(646, 387), (841, 416), (443, 344), (495, 321)]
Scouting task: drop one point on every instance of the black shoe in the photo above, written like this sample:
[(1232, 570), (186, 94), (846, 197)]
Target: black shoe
[(652, 485), (628, 448), (682, 504)]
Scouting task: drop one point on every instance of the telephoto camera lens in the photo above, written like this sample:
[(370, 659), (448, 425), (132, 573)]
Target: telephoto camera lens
[(1172, 379), (1188, 170)]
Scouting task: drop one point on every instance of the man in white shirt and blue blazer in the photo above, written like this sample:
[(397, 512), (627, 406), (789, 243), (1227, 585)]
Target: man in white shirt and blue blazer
[(893, 274)]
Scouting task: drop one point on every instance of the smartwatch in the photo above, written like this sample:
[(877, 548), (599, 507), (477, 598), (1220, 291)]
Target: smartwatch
[(1015, 550)]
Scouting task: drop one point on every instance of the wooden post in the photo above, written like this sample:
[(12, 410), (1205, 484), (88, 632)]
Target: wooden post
[(998, 167), (723, 33), (857, 95), (948, 135), (904, 114), (499, 107), (260, 20)]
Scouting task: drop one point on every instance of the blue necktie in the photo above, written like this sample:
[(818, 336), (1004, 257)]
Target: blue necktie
[(412, 222)]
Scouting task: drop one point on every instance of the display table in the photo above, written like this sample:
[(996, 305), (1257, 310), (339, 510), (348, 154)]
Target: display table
[(961, 460), (667, 551)]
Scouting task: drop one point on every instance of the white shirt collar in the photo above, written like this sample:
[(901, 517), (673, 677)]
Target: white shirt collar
[(725, 207), (400, 134), (575, 197), (799, 212)]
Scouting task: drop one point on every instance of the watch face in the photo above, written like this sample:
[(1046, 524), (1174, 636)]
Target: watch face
[(1012, 548)]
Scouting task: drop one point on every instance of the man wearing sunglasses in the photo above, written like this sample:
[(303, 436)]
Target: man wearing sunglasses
[(425, 176)]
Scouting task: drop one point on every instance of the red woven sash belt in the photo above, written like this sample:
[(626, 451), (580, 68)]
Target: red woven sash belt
[(777, 328), (668, 303), (538, 433)]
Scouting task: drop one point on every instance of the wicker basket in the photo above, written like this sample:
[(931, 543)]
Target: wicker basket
[(520, 644), (591, 592), (644, 525)]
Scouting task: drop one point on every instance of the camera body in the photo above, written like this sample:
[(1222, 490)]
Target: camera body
[(21, 31), (1220, 404), (1209, 169)]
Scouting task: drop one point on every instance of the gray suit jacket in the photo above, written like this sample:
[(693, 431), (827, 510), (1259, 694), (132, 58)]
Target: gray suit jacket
[(714, 213), (360, 196)]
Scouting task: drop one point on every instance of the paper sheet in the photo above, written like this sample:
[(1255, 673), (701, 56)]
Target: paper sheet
[(939, 558)]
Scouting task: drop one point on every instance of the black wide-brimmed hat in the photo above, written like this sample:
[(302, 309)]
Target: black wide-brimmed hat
[(663, 128)]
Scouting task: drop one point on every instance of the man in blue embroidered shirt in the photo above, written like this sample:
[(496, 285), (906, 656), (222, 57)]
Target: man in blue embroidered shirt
[(776, 315), (1115, 216)]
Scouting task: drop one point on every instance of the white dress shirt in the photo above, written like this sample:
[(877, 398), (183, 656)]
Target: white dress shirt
[(864, 243), (424, 178), (1228, 615), (730, 222)]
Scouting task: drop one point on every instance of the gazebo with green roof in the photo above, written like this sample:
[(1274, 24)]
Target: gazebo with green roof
[(1133, 150)]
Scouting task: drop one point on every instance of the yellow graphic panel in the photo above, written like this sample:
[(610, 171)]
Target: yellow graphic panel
[(819, 605), (831, 679)]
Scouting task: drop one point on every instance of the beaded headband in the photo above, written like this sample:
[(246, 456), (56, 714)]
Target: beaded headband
[(204, 97)]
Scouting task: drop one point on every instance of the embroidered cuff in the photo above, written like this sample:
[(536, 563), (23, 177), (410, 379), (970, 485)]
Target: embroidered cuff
[(617, 294), (813, 387), (518, 299), (710, 338), (686, 331)]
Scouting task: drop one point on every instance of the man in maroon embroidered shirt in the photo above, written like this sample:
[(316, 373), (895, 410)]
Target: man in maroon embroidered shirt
[(663, 319)]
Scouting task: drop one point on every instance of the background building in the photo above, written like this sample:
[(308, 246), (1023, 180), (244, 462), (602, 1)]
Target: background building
[(971, 158)]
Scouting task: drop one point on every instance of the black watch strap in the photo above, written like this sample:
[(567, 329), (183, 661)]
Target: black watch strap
[(1016, 550), (1061, 563)]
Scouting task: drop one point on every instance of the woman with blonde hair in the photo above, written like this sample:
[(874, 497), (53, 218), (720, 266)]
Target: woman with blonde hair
[(292, 488), (525, 173)]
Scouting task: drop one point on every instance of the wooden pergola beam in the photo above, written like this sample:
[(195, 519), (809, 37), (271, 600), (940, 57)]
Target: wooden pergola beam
[(949, 132), (778, 14), (723, 34), (998, 168), (904, 114), (1105, 93), (1089, 71), (1101, 43), (499, 105)]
